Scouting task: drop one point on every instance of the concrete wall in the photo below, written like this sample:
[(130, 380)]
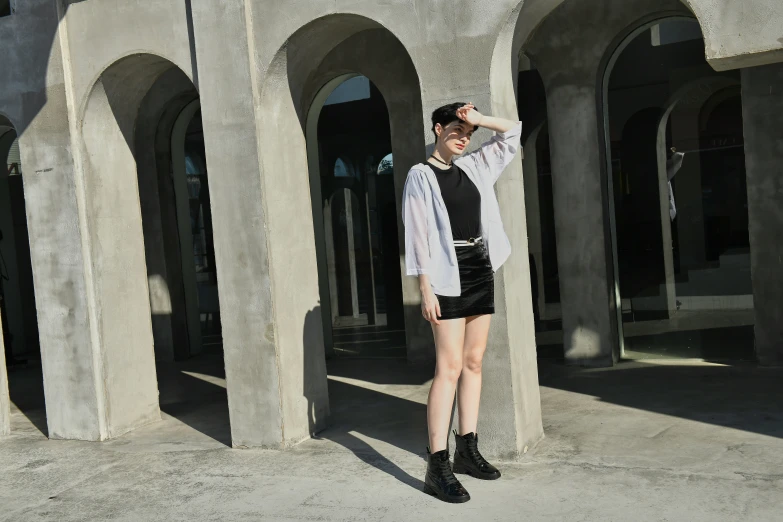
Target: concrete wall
[(228, 102), (76, 75), (95, 388), (32, 94), (762, 112), (740, 35)]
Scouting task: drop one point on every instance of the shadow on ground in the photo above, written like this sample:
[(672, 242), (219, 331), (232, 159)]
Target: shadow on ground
[(194, 393), (386, 404), (743, 397), (25, 386)]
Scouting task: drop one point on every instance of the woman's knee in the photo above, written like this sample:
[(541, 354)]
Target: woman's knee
[(473, 360), (449, 369)]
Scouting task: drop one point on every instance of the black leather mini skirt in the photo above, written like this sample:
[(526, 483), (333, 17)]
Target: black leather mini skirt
[(477, 281)]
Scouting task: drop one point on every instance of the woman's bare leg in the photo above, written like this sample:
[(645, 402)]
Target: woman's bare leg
[(449, 342), (469, 388)]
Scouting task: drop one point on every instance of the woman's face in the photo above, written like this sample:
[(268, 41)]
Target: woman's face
[(455, 136)]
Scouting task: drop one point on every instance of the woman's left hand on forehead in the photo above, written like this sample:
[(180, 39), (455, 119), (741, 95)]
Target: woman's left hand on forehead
[(469, 114)]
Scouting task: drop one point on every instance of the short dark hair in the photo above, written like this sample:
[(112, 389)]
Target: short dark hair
[(445, 115)]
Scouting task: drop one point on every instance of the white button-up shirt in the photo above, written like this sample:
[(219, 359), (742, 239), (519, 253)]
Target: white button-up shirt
[(429, 246)]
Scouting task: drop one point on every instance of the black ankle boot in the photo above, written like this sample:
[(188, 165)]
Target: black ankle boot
[(440, 480), (468, 460)]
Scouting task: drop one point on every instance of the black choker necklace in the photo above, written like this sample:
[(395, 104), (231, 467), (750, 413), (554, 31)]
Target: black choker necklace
[(441, 161)]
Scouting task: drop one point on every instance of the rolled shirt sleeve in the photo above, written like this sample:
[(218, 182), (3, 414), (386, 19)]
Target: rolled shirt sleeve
[(494, 156), (414, 217)]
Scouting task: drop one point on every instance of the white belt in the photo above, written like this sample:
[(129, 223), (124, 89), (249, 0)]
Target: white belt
[(470, 242)]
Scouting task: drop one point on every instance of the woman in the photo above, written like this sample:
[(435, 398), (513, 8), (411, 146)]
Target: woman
[(454, 242)]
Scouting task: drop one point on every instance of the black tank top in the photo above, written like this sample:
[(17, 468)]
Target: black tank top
[(462, 199)]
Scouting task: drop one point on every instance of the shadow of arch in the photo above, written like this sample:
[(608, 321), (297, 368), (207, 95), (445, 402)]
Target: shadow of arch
[(321, 52)]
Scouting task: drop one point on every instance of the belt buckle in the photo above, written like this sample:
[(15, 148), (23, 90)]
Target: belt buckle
[(472, 241)]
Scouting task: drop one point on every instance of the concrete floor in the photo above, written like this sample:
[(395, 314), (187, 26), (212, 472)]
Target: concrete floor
[(643, 441)]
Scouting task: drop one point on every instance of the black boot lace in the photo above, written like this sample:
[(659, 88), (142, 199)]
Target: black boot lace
[(473, 452), (445, 472)]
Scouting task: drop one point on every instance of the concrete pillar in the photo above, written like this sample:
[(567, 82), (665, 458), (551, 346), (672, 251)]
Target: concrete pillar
[(669, 288), (581, 225), (372, 313), (264, 238), (349, 208), (330, 263), (762, 103), (99, 382)]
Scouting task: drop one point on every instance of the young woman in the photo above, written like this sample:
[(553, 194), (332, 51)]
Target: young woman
[(454, 242)]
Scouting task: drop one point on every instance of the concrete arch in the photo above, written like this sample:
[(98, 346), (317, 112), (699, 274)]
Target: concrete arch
[(337, 58), (694, 94), (719, 25), (722, 24), (316, 54), (691, 96), (309, 46), (131, 75), (716, 99), (398, 81), (117, 279), (521, 24), (571, 47), (605, 69), (6, 122), (159, 111)]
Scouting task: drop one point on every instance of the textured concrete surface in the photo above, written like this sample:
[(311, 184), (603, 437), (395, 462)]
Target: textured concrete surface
[(76, 75), (762, 103), (635, 442)]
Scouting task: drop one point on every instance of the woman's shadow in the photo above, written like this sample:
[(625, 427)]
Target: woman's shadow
[(366, 411)]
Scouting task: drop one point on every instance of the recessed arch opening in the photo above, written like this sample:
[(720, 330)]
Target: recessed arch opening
[(155, 282), (677, 297), (349, 99)]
